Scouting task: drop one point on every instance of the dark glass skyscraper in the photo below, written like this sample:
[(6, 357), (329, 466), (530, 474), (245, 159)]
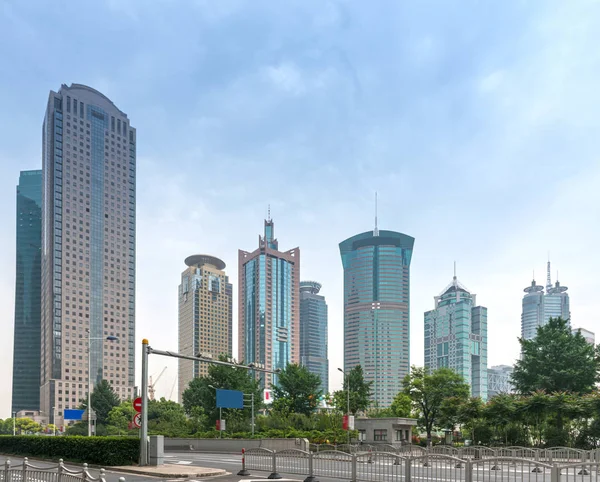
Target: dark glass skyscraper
[(376, 309), (313, 331), (26, 354)]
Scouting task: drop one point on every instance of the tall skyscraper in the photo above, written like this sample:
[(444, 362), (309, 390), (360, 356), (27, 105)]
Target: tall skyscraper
[(539, 307), (456, 336), (26, 353), (313, 331), (499, 380), (268, 312), (88, 248), (204, 315), (377, 309)]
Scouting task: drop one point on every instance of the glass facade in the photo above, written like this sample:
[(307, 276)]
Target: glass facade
[(456, 337), (26, 354), (499, 380), (376, 309), (313, 332), (269, 310), (539, 307)]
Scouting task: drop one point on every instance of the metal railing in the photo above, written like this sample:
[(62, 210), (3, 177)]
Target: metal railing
[(477, 464), (27, 472)]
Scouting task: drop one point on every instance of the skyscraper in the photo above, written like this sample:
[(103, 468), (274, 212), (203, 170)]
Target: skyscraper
[(88, 248), (539, 307), (456, 336), (268, 312), (377, 309), (499, 380), (204, 315), (26, 354), (313, 331)]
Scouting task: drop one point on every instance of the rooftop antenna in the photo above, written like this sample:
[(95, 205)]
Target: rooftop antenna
[(376, 230), (269, 212), (455, 270), (548, 280)]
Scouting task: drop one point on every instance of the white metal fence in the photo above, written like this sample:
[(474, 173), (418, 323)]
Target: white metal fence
[(440, 464), (27, 472)]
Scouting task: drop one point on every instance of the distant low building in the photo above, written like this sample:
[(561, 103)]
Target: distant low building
[(392, 430), (499, 380), (589, 336)]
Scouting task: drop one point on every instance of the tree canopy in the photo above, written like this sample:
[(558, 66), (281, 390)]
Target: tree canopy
[(428, 392), (556, 360), (104, 399), (360, 392), (297, 390)]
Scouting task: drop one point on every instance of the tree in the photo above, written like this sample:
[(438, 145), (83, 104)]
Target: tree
[(104, 399), (470, 415), (360, 392), (428, 392), (26, 426), (297, 390), (121, 416), (200, 394), (401, 405), (166, 417), (556, 360)]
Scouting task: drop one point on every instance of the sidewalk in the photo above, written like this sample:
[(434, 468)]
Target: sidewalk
[(166, 471)]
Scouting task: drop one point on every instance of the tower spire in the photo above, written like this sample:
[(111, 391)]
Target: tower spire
[(376, 230), (548, 280), (268, 212)]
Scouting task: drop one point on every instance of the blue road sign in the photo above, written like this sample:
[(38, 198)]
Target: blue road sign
[(230, 399), (74, 414)]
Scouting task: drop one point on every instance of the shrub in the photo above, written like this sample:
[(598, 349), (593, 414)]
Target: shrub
[(105, 451)]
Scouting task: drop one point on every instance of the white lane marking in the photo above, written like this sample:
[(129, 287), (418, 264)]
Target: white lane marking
[(184, 462)]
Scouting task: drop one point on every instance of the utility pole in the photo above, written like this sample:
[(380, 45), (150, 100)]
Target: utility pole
[(144, 428), (14, 424), (347, 380)]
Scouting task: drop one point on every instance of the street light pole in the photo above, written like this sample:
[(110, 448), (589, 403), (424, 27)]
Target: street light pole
[(347, 380), (89, 397), (220, 414), (14, 424)]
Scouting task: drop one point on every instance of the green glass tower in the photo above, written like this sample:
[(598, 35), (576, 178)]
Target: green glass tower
[(456, 336), (376, 309), (26, 352)]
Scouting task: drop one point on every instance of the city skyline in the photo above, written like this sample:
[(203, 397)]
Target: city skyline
[(487, 111)]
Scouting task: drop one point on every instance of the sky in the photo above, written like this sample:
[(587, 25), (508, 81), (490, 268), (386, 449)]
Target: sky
[(474, 121)]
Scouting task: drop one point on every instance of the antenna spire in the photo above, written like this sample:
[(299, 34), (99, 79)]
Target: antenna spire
[(268, 212), (376, 230), (548, 280), (455, 270)]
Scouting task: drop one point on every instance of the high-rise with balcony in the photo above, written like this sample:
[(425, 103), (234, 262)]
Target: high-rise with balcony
[(269, 308), (26, 352), (539, 307), (204, 316), (88, 248), (456, 336), (377, 309), (313, 331)]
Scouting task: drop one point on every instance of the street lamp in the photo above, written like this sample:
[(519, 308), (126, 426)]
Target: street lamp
[(348, 400), (89, 404), (14, 423)]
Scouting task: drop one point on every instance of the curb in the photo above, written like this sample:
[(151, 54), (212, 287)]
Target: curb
[(207, 473)]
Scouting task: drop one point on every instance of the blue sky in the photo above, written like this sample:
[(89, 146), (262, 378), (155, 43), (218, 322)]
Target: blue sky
[(474, 121)]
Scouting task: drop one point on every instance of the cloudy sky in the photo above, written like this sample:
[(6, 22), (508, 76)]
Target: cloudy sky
[(473, 120)]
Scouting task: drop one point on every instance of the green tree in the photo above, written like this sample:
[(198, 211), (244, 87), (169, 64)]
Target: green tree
[(401, 405), (166, 417), (470, 415), (556, 360), (200, 394), (104, 399), (26, 426), (360, 392), (297, 390), (500, 413), (428, 392), (121, 416)]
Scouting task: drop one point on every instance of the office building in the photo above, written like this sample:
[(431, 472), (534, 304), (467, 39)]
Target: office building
[(269, 308), (88, 248), (204, 316), (26, 351), (456, 336), (377, 309), (539, 307), (313, 331), (589, 336), (499, 380)]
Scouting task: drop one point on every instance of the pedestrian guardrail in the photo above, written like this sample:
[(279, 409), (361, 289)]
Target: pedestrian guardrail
[(477, 464), (27, 472)]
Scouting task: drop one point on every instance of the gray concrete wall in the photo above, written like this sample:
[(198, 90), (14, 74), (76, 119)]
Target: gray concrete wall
[(232, 446)]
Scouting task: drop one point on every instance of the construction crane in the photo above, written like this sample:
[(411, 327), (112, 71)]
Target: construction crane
[(151, 384), (172, 390)]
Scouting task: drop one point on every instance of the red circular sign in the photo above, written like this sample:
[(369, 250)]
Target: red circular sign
[(137, 404), (137, 420)]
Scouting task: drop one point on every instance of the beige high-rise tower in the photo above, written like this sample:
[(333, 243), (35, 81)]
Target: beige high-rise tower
[(88, 249), (205, 305)]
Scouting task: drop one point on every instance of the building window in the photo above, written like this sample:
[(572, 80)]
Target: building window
[(68, 104), (399, 436), (81, 110), (380, 435)]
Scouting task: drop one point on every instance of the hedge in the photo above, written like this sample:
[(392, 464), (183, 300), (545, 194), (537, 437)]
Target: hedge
[(104, 451)]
